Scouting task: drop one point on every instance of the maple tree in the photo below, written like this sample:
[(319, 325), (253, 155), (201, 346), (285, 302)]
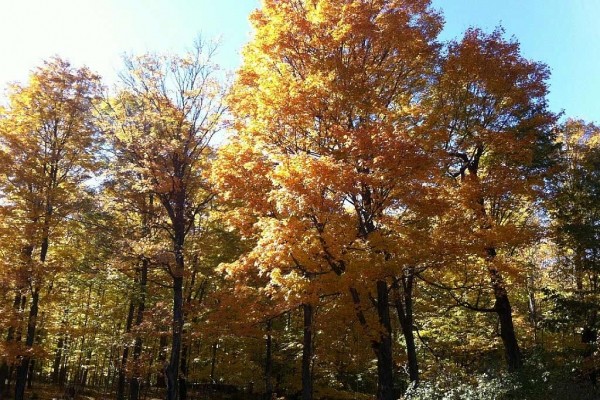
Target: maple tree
[(49, 140), (494, 123), (328, 96)]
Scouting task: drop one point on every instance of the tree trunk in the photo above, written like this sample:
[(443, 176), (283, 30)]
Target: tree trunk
[(109, 375), (183, 371), (383, 348), (30, 374), (134, 385), (404, 309), (307, 352), (125, 356), (184, 367), (19, 330), (173, 378), (269, 362), (57, 359), (411, 351), (23, 368), (4, 368), (162, 360), (507, 333), (3, 378), (503, 309)]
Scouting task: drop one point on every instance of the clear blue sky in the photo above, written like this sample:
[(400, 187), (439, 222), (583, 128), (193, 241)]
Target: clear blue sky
[(565, 34)]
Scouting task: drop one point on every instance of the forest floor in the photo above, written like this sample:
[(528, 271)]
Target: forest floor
[(52, 392)]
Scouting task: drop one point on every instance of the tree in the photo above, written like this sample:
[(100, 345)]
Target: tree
[(491, 113), (49, 139), (329, 98), (161, 123)]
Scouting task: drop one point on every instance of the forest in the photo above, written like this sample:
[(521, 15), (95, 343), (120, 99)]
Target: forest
[(361, 211)]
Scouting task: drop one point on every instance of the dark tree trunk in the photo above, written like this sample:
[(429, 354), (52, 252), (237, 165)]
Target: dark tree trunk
[(307, 352), (177, 216), (161, 381), (173, 378), (503, 308), (4, 368), (3, 379), (269, 362), (134, 385), (183, 372), (175, 205), (507, 333), (57, 359), (125, 355), (184, 367), (404, 309), (502, 305), (383, 348), (30, 374), (411, 351), (23, 368), (62, 375)]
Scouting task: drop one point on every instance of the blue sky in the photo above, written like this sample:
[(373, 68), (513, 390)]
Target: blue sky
[(565, 34)]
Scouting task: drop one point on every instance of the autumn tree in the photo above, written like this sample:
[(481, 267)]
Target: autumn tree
[(49, 139), (491, 117), (161, 123), (328, 97)]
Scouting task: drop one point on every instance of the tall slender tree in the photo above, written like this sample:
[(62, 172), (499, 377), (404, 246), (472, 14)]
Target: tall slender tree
[(160, 124)]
